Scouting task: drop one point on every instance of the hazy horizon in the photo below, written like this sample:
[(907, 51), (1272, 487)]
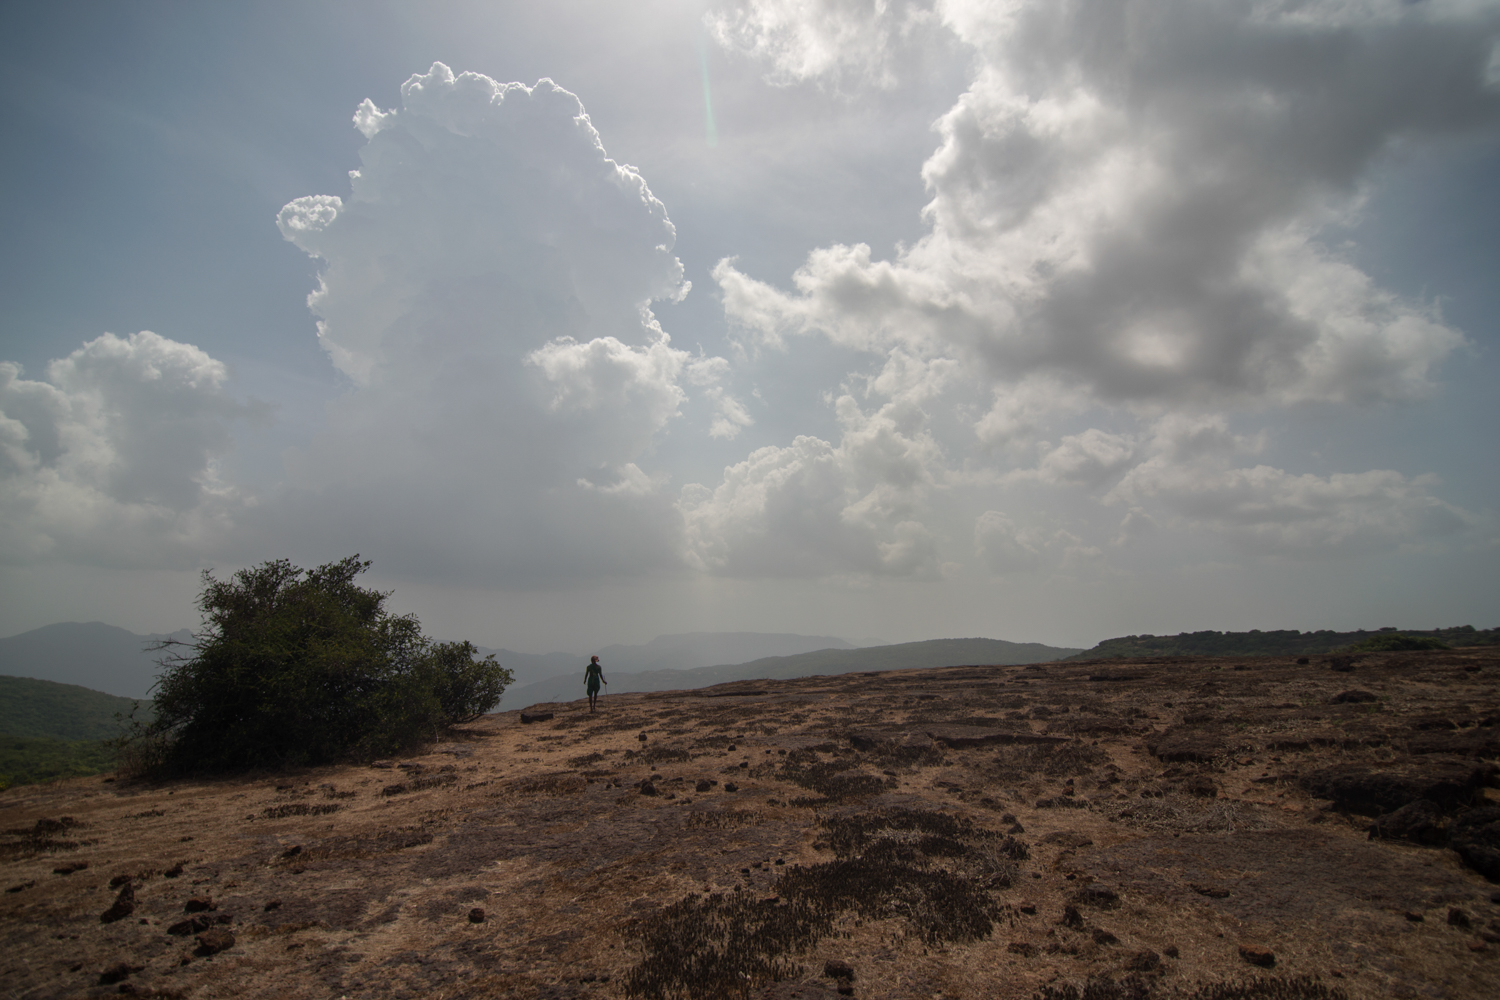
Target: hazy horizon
[(592, 323)]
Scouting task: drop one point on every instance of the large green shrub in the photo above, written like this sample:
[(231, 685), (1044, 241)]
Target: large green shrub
[(295, 667)]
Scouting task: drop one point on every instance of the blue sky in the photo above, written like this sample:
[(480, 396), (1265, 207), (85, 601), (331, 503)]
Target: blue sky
[(1168, 316)]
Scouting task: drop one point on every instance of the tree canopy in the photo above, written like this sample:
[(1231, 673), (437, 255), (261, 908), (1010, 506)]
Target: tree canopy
[(294, 667)]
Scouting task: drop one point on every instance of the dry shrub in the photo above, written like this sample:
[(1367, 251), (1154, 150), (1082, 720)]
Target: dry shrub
[(933, 870), (834, 781), (545, 784), (723, 819), (1179, 814), (298, 809), (1052, 760)]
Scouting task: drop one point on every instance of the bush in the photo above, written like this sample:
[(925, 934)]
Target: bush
[(1394, 642), (295, 667)]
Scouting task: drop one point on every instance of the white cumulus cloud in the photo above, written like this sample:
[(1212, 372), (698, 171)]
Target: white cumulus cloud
[(113, 456), (1129, 196), (818, 509), (487, 286)]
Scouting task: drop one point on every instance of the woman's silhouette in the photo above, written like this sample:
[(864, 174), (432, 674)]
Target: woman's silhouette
[(592, 675)]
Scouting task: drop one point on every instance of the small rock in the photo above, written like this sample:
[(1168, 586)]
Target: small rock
[(476, 915), (173, 872), (120, 880), (123, 906), (199, 904), (730, 786), (1072, 918), (530, 717), (1015, 828), (1355, 697), (70, 867), (1102, 936), (192, 925), (1144, 960), (642, 738), (385, 765), (704, 785), (1263, 957), (1458, 918), (1414, 916), (1171, 951), (837, 968), (30, 884), (292, 852), (1027, 908), (1211, 891), (215, 940), (117, 972), (648, 787), (1025, 948)]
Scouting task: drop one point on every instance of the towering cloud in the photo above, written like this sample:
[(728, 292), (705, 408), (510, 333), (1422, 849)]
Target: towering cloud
[(487, 290)]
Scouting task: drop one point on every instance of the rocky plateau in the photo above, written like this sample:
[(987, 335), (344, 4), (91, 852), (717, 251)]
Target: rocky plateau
[(1210, 828)]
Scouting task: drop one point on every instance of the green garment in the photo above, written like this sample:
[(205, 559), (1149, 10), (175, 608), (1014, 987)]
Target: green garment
[(592, 675)]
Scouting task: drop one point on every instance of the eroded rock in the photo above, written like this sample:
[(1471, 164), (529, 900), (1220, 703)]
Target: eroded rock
[(1475, 835), (1378, 790), (1421, 822)]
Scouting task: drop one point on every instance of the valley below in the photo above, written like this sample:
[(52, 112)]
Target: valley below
[(1154, 827)]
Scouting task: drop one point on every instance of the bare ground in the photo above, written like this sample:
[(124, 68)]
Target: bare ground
[(1155, 826)]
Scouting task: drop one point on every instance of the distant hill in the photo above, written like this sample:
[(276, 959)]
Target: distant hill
[(932, 653), (684, 651), (92, 654), (1284, 642), (48, 710)]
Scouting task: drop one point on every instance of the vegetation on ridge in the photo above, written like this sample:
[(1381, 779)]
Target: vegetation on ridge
[(1286, 642), (295, 667)]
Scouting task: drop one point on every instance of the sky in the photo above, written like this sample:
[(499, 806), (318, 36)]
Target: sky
[(897, 320)]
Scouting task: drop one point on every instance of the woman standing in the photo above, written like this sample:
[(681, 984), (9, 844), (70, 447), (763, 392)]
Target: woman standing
[(592, 675)]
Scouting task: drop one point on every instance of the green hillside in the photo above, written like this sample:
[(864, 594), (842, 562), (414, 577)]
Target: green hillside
[(50, 730), (1284, 642), (48, 710), (25, 760)]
